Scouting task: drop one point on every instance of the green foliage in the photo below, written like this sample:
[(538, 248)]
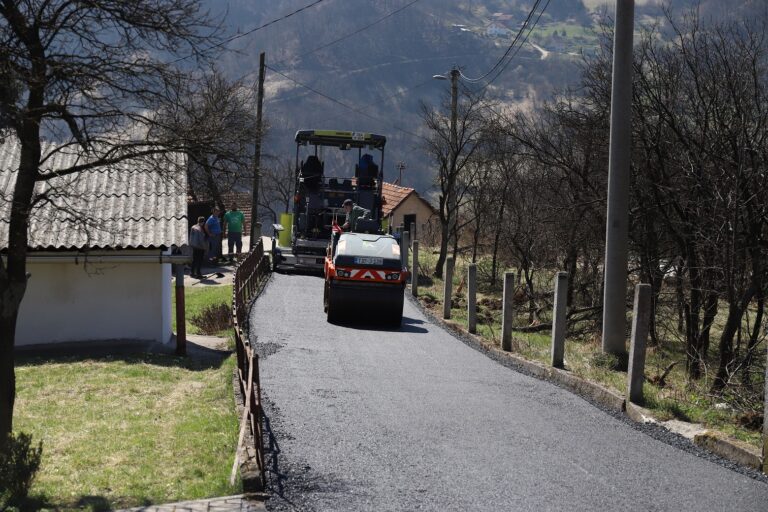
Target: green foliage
[(19, 463), (213, 319), (605, 361)]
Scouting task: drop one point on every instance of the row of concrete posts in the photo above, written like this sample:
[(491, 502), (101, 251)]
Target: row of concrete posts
[(640, 316)]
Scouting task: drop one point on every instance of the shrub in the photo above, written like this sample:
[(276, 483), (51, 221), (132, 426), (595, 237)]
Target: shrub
[(212, 319), (18, 466)]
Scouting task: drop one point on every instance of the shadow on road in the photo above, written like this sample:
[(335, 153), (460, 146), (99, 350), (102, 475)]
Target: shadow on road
[(409, 324)]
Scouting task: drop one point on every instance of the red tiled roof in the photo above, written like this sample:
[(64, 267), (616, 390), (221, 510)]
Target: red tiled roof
[(393, 196)]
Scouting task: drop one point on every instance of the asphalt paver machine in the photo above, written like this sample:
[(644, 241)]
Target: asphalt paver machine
[(301, 239)]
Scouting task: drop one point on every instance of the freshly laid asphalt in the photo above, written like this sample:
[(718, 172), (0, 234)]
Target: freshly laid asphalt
[(364, 418)]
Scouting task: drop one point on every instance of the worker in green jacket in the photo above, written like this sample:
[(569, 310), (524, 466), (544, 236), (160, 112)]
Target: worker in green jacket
[(353, 212)]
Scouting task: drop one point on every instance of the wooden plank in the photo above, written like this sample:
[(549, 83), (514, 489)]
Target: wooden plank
[(243, 422)]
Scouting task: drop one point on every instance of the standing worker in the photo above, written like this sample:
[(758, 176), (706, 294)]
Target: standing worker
[(353, 212), (234, 224), (213, 230), (198, 244)]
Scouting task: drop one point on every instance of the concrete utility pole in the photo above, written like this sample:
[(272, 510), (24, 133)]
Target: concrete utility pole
[(616, 230), (257, 157)]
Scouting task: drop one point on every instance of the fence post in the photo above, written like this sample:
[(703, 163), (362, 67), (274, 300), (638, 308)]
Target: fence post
[(507, 311), (415, 270), (412, 231), (181, 323), (472, 298), (558, 319), (765, 422), (404, 239), (640, 320), (448, 287)]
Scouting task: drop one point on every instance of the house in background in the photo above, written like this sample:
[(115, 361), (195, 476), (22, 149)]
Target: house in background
[(100, 248), (403, 206)]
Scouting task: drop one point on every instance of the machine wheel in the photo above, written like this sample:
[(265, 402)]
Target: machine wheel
[(333, 309), (396, 313), (325, 298)]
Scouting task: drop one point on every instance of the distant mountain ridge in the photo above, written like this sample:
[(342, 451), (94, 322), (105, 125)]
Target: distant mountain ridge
[(385, 71)]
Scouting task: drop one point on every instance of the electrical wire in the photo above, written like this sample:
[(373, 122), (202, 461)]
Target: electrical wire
[(354, 33), (249, 32), (341, 103), (511, 45), (518, 48)]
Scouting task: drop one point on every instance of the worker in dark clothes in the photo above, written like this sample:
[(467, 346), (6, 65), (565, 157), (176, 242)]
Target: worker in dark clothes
[(353, 212)]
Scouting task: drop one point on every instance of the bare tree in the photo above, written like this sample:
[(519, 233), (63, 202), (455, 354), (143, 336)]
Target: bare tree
[(215, 119), (277, 189), (86, 74), (451, 158)]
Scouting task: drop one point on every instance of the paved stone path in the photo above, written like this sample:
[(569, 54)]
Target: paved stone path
[(224, 504)]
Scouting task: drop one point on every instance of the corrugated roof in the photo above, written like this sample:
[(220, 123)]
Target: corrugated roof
[(393, 196), (138, 203)]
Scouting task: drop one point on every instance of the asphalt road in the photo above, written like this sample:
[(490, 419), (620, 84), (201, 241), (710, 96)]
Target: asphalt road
[(365, 418)]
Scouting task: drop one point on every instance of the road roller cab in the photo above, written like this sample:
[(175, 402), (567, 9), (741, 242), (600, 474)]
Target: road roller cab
[(364, 279)]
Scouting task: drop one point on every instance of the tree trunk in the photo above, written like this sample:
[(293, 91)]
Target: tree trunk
[(732, 324), (443, 249), (13, 278), (754, 336)]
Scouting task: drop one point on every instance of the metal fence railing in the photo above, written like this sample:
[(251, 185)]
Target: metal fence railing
[(248, 279)]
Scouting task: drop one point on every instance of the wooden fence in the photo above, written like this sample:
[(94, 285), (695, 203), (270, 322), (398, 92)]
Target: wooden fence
[(249, 276)]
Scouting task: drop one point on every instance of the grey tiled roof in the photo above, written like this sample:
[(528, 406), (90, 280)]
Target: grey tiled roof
[(138, 203)]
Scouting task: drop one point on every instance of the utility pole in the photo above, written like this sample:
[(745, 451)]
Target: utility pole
[(400, 168), (617, 229), (451, 199), (257, 155)]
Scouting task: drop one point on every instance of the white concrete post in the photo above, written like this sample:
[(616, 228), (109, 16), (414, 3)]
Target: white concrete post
[(507, 311), (472, 298), (559, 320), (765, 422), (404, 238), (448, 287), (641, 317), (415, 270)]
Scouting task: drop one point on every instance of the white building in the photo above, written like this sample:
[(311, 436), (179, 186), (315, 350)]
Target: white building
[(99, 248)]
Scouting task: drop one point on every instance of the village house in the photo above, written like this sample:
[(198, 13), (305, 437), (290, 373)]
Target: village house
[(100, 248), (404, 206)]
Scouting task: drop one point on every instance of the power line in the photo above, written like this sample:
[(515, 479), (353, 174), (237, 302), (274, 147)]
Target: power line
[(511, 45), (354, 33), (341, 103), (249, 32), (518, 48)]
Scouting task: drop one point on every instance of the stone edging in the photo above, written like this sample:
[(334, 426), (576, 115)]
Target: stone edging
[(710, 440)]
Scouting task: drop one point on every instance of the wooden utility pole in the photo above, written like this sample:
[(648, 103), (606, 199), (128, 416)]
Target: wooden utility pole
[(257, 156)]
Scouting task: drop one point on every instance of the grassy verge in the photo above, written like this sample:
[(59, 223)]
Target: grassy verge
[(197, 299), (129, 430), (678, 399)]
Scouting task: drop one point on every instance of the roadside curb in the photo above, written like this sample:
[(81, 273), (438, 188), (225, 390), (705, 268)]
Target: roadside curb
[(710, 440)]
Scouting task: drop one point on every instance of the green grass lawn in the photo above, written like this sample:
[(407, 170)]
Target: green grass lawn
[(196, 299), (123, 431)]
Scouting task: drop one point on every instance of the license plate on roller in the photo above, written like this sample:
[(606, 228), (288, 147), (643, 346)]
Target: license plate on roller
[(362, 260)]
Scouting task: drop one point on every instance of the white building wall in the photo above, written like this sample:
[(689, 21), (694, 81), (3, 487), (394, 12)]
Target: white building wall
[(74, 302)]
